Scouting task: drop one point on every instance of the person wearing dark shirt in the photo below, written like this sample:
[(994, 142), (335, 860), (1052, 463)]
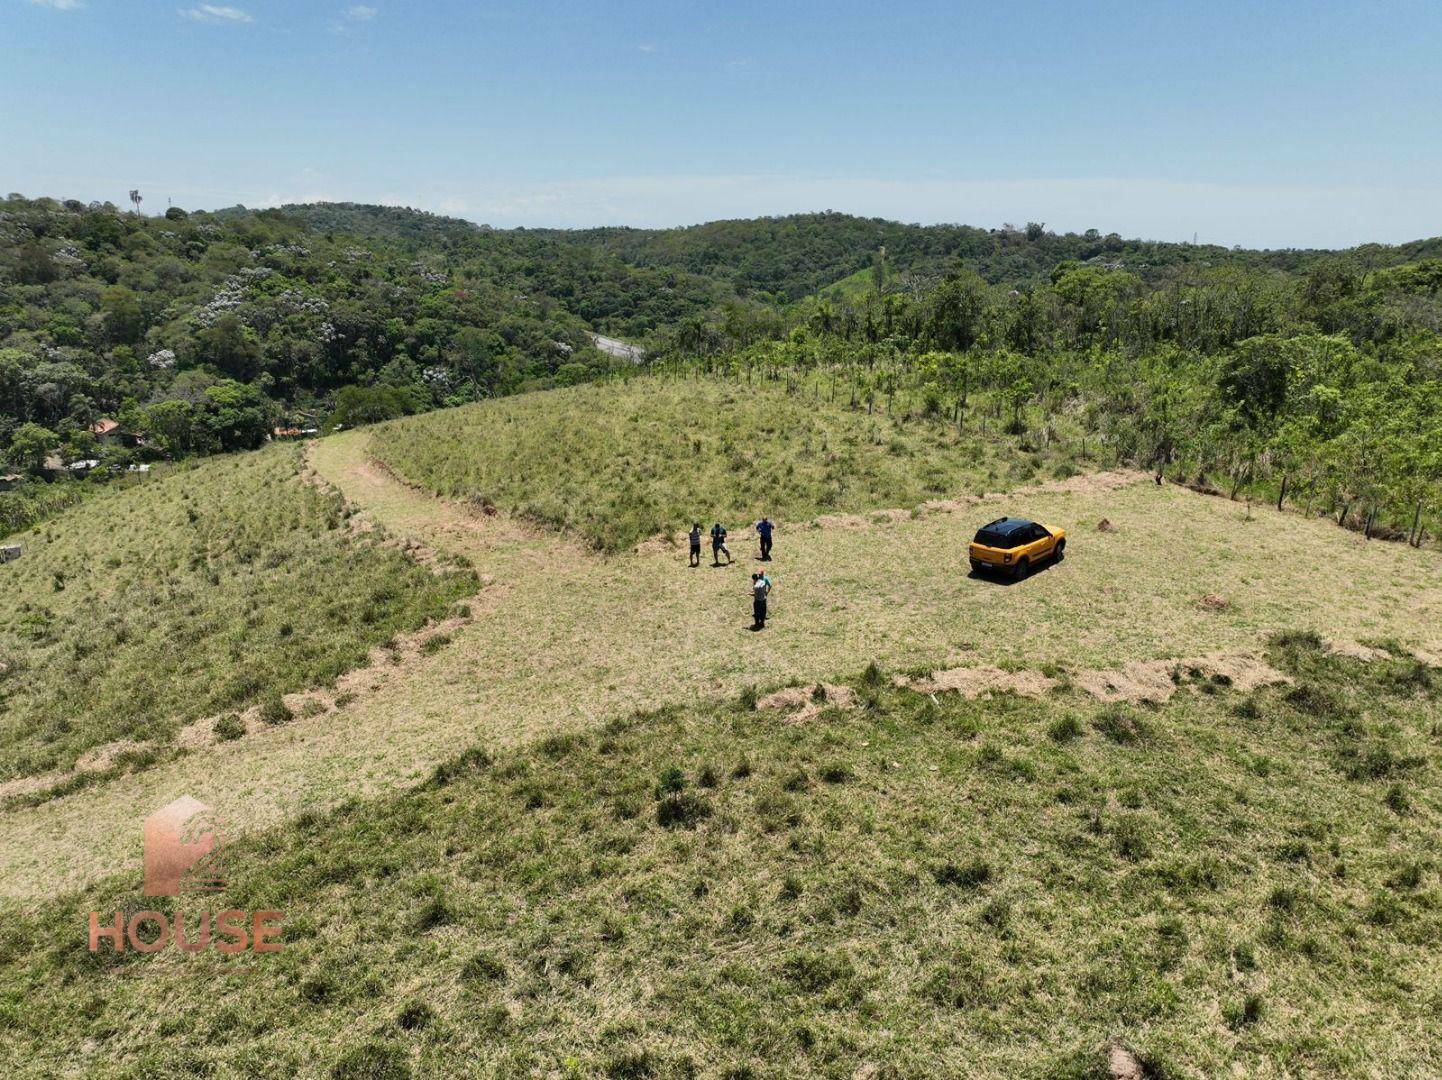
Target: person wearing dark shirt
[(763, 530), (695, 537), (718, 545)]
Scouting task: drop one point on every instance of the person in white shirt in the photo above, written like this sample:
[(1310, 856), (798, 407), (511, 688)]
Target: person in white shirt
[(760, 590)]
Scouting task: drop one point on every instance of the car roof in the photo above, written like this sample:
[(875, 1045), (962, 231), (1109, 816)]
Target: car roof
[(1005, 526)]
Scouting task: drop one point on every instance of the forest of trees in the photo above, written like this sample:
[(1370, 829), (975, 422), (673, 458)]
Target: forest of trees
[(1319, 388), (199, 332), (1307, 377)]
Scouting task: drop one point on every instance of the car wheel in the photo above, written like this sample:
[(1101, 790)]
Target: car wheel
[(1021, 570), (1060, 550)]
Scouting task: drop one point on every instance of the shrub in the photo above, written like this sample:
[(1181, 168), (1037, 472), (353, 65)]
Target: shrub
[(483, 968), (1064, 729), (1129, 837), (1297, 640), (836, 773), (1396, 800), (671, 781), (1121, 725), (681, 811), (435, 644), (957, 986), (433, 913), (414, 1015), (813, 972), (968, 875), (274, 710), (374, 1060), (1240, 1014), (1316, 700), (229, 727)]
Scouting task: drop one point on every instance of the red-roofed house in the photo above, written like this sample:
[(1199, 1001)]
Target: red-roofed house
[(108, 431)]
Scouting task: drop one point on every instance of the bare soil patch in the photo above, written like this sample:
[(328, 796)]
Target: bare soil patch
[(1157, 680), (1355, 650), (972, 682), (1096, 483), (802, 703), (1122, 1064)]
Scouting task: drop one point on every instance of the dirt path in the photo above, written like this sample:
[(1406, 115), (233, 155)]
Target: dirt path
[(566, 639)]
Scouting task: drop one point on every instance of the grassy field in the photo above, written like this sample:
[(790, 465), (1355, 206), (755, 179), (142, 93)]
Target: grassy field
[(1231, 884), (635, 871), (619, 462), (206, 591), (561, 639)]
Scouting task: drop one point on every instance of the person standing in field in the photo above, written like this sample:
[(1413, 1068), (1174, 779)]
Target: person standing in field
[(763, 530), (760, 591), (718, 545), (694, 536)]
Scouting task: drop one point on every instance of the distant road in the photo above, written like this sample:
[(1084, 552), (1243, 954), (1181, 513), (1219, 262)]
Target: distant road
[(620, 349)]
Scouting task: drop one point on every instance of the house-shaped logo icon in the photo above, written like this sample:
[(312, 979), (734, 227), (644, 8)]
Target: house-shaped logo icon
[(182, 850)]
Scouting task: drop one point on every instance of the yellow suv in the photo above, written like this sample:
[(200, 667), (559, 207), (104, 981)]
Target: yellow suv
[(1015, 545)]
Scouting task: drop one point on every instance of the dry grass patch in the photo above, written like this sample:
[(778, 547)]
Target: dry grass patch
[(802, 703), (1155, 681), (200, 593), (973, 682), (563, 639)]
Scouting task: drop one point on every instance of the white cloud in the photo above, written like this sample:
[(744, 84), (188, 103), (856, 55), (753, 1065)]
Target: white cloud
[(216, 13), (646, 47), (60, 5), (361, 13)]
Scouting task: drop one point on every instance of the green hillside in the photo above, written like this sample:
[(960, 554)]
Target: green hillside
[(901, 885), (620, 462), (793, 256), (204, 592), (535, 797)]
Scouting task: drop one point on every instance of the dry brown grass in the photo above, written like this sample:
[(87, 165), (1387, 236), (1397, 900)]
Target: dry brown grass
[(563, 639)]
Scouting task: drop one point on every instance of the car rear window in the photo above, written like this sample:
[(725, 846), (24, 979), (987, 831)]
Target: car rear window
[(993, 538)]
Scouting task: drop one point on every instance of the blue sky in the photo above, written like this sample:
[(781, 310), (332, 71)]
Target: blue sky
[(1276, 123)]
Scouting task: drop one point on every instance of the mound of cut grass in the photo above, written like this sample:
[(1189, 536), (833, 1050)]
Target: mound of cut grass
[(916, 887), (197, 594), (619, 462)]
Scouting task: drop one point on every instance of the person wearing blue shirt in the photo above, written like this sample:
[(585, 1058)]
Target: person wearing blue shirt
[(763, 530)]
